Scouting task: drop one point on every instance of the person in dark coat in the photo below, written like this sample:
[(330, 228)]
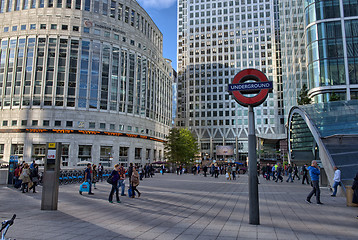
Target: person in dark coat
[(355, 189), (115, 177)]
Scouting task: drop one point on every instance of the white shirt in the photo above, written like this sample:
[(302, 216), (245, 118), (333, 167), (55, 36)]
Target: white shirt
[(337, 176)]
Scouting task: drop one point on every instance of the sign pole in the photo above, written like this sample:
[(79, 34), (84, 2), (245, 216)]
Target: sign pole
[(251, 81), (254, 215)]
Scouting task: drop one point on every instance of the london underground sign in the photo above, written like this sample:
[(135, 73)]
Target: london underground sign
[(251, 81), (239, 87)]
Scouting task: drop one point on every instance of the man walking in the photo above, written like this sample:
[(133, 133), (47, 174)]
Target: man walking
[(88, 178), (289, 169), (305, 174), (314, 174), (100, 172), (336, 179), (205, 169), (295, 172)]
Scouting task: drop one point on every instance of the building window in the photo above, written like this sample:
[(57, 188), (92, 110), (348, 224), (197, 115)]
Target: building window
[(14, 28), (2, 147), (23, 122), (14, 123), (105, 154), (35, 122), (64, 27), (17, 149), (92, 125), (97, 32), (32, 26), (53, 26), (86, 30), (57, 123), (6, 29), (42, 26), (39, 151), (112, 126), (138, 153), (76, 28), (4, 123), (46, 123), (84, 152), (23, 27), (69, 123), (102, 126)]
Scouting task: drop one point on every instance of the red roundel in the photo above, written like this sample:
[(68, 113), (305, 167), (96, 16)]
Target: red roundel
[(250, 74)]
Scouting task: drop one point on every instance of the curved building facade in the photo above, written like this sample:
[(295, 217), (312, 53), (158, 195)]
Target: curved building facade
[(87, 73), (332, 43)]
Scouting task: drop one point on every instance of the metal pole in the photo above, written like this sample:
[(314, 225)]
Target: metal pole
[(254, 217)]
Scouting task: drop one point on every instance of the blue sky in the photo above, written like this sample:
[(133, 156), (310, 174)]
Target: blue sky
[(164, 14)]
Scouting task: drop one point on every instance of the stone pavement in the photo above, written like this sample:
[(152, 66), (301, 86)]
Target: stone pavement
[(181, 207)]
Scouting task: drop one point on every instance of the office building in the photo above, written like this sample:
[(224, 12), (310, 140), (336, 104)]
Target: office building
[(87, 73)]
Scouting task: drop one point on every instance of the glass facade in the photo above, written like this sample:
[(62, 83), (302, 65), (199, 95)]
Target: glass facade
[(331, 31)]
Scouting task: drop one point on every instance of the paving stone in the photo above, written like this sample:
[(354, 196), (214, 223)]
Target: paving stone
[(181, 207)]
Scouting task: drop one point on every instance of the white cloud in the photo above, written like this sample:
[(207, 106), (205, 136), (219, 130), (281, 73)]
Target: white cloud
[(159, 4)]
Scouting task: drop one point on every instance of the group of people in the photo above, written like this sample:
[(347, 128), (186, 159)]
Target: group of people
[(277, 171), (26, 177), (117, 179)]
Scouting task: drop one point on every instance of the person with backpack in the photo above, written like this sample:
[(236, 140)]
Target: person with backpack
[(34, 176), (279, 173), (114, 181), (289, 170), (25, 177), (295, 173)]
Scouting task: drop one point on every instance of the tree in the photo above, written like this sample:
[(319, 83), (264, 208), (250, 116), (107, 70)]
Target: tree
[(181, 146), (303, 98), (334, 97)]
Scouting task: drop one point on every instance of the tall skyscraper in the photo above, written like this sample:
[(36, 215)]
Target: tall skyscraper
[(216, 40)]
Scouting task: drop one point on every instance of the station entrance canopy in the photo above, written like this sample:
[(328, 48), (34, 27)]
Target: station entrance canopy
[(328, 132)]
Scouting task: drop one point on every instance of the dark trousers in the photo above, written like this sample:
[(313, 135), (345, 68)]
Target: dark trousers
[(296, 175), (33, 187), (303, 179), (135, 189), (216, 173), (233, 176), (100, 176), (204, 174), (114, 188), (315, 190)]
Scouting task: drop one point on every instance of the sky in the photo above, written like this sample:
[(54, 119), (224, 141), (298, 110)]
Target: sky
[(164, 15)]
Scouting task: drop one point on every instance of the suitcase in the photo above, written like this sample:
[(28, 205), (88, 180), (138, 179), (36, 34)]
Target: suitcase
[(84, 187)]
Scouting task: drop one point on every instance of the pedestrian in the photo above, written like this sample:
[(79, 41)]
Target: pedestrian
[(314, 174), (295, 172), (205, 169), (336, 180), (198, 168), (25, 177), (135, 182), (17, 173), (34, 176), (233, 171), (115, 178), (122, 178), (289, 170), (305, 174), (268, 170), (279, 173), (100, 172), (273, 170), (229, 170), (88, 178), (94, 176), (32, 165), (141, 173), (217, 170), (212, 169), (130, 171), (163, 169), (355, 190)]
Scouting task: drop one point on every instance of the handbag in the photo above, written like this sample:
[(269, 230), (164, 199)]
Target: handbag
[(110, 180), (84, 187)]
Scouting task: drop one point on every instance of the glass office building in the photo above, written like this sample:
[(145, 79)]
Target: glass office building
[(87, 73), (216, 40), (332, 43)]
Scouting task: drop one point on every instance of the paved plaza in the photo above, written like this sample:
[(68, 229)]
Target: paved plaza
[(181, 207)]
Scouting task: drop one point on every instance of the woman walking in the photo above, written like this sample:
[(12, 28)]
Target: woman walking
[(94, 177), (115, 178), (135, 182), (25, 177)]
